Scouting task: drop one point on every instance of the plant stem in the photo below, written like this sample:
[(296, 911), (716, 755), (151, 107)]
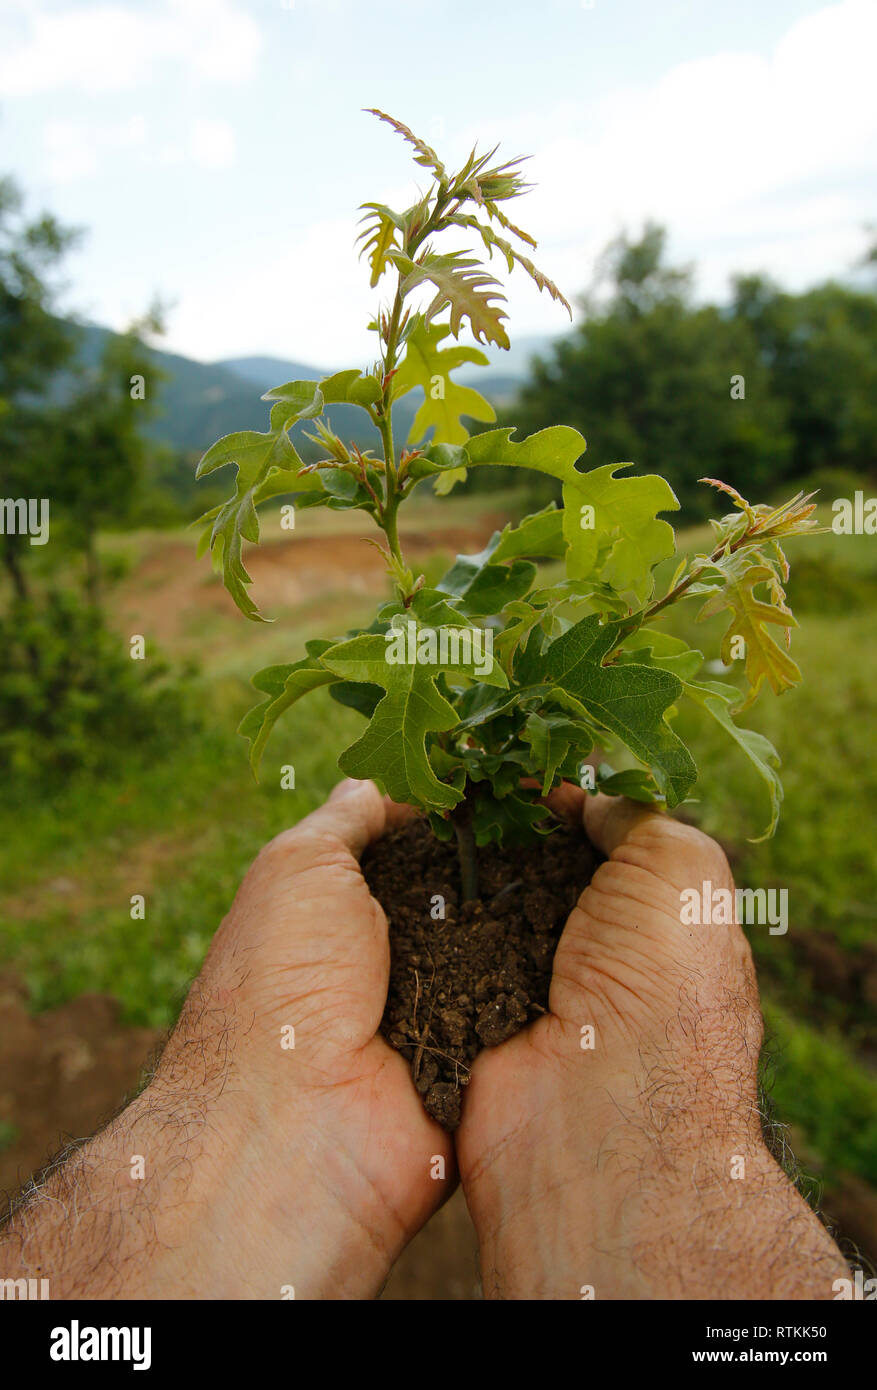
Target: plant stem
[(466, 852), (383, 414), (391, 530), (689, 579)]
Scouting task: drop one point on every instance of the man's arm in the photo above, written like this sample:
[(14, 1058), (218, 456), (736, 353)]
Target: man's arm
[(248, 1166)]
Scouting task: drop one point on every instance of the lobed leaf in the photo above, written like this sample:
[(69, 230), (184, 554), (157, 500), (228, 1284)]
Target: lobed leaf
[(445, 401), (463, 285), (627, 699), (513, 257), (765, 659), (424, 154), (392, 749), (718, 700), (283, 685), (256, 457)]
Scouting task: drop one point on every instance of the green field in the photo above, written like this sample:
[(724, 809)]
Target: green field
[(181, 830)]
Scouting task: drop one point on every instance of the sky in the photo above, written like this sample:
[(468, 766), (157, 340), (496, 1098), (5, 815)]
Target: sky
[(216, 151)]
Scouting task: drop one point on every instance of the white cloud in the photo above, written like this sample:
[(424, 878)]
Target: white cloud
[(106, 47), (752, 161), (212, 144), (74, 148), (70, 154), (742, 156), (310, 301)]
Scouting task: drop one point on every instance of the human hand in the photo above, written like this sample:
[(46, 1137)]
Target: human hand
[(617, 1168), (265, 1167)]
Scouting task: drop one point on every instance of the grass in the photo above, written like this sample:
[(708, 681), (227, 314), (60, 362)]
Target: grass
[(183, 830)]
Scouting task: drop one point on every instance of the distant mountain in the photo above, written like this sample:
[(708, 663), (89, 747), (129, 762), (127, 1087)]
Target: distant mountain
[(197, 401), (508, 368), (201, 401), (512, 364), (272, 371)]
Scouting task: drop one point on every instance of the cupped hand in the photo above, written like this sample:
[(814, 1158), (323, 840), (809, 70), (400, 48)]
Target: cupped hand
[(614, 1148), (280, 1032)]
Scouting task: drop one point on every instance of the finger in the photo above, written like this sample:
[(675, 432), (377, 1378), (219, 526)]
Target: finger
[(567, 802), (357, 814), (609, 820), (397, 813)]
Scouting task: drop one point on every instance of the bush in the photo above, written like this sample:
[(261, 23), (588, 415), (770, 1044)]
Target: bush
[(70, 695)]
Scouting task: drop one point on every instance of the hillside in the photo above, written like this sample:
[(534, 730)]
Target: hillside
[(201, 401)]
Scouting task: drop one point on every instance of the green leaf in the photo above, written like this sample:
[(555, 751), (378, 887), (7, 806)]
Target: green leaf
[(718, 699), (627, 699), (358, 695), (553, 450), (657, 648), (425, 365), (256, 456), (429, 606), (351, 387), (539, 535), (304, 398), (462, 284), (520, 620), (765, 659), (550, 737), (481, 703), (283, 685), (631, 782), (393, 748), (508, 820), (483, 588), (610, 524), (621, 515)]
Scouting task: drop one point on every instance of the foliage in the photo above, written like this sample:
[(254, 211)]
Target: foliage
[(649, 376), (484, 691), (819, 348), (71, 430), (83, 698), (71, 433), (149, 820), (771, 387)]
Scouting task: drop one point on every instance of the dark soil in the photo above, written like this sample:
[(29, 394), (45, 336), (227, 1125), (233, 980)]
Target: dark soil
[(464, 976)]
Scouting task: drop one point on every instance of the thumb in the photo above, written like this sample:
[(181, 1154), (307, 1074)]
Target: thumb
[(355, 813), (609, 820)]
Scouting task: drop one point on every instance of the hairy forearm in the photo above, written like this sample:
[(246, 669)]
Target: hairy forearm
[(689, 1236), (201, 1188), (629, 1202)]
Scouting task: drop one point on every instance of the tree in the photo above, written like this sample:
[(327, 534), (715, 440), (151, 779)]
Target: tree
[(648, 378), (820, 349), (99, 446), (70, 433), (34, 346)]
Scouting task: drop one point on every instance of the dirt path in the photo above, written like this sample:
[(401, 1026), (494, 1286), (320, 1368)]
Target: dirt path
[(63, 1073), (167, 591)]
